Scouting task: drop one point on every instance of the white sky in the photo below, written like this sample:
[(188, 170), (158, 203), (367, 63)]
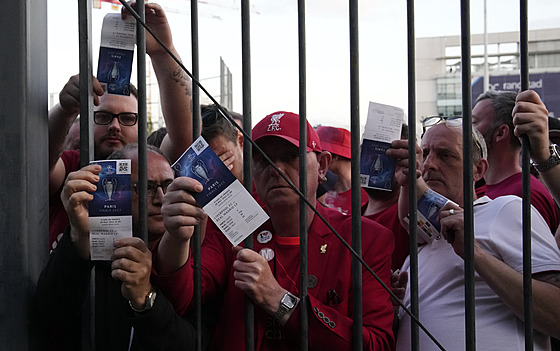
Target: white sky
[(274, 47)]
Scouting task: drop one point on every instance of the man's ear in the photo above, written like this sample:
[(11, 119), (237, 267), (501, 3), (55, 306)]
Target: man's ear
[(479, 169), (324, 158), (501, 132), (240, 139)]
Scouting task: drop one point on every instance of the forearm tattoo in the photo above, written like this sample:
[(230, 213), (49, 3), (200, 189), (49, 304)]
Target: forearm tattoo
[(183, 79)]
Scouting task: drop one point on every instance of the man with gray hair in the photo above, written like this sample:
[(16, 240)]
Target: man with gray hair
[(492, 117), (498, 258)]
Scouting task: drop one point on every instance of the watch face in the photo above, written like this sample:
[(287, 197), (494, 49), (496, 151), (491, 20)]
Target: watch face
[(555, 150), (288, 301)]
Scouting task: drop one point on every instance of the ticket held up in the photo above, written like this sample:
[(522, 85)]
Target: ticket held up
[(110, 211), (230, 206)]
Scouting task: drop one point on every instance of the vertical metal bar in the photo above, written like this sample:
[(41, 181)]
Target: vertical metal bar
[(527, 271), (470, 330), (357, 332), (142, 125), (486, 85), (247, 150), (86, 147), (24, 185), (196, 132), (86, 82), (303, 320), (414, 337)]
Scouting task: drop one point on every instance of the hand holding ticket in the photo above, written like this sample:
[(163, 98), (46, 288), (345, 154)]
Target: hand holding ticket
[(224, 199)]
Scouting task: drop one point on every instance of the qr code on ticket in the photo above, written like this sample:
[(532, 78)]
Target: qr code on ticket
[(199, 145), (123, 167)]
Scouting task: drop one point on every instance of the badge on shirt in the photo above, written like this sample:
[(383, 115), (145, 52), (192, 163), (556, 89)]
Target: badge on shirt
[(267, 253), (264, 237)]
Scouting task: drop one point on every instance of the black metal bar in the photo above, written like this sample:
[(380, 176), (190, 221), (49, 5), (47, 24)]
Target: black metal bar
[(247, 150), (412, 202), (470, 329), (142, 126), (303, 320), (196, 132), (86, 146), (86, 83), (525, 156), (357, 332)]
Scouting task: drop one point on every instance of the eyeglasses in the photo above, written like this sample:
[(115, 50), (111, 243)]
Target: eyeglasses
[(452, 122), (152, 187), (126, 118)]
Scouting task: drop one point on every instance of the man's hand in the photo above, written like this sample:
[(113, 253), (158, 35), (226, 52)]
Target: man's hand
[(398, 287), (70, 95), (75, 197), (227, 158), (157, 22), (253, 276), (530, 118), (132, 264), (452, 227), (180, 210), (399, 150)]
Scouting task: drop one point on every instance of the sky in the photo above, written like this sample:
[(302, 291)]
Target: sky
[(274, 47)]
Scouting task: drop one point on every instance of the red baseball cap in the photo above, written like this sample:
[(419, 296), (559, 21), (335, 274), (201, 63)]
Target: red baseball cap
[(286, 126), (335, 140)]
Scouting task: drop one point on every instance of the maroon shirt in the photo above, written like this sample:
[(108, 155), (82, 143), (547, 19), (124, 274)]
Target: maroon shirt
[(540, 197)]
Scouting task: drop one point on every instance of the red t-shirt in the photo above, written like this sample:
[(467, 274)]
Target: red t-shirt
[(540, 197), (58, 219)]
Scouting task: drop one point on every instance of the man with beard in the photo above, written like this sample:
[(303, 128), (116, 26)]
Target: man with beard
[(492, 116), (115, 117)]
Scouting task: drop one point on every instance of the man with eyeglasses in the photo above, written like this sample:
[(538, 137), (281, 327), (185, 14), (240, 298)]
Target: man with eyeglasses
[(132, 311), (492, 116), (498, 254), (115, 117)]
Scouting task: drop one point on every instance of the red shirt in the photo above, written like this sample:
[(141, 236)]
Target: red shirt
[(389, 218), (540, 197), (58, 219), (329, 262)]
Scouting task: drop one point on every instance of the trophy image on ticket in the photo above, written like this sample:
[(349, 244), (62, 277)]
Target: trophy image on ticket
[(199, 168), (110, 211), (109, 186)]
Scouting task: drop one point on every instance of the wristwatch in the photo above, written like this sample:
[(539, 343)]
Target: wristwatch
[(150, 299), (288, 303), (552, 161)]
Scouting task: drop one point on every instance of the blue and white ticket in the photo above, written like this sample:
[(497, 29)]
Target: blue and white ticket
[(230, 206), (429, 206), (116, 52), (110, 211), (384, 124)]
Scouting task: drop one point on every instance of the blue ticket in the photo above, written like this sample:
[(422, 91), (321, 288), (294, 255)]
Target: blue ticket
[(230, 206), (110, 211)]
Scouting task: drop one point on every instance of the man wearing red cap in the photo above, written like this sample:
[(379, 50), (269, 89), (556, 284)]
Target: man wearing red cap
[(269, 274), (337, 142)]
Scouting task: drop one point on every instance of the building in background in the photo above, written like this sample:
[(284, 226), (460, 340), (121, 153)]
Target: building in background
[(438, 69)]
